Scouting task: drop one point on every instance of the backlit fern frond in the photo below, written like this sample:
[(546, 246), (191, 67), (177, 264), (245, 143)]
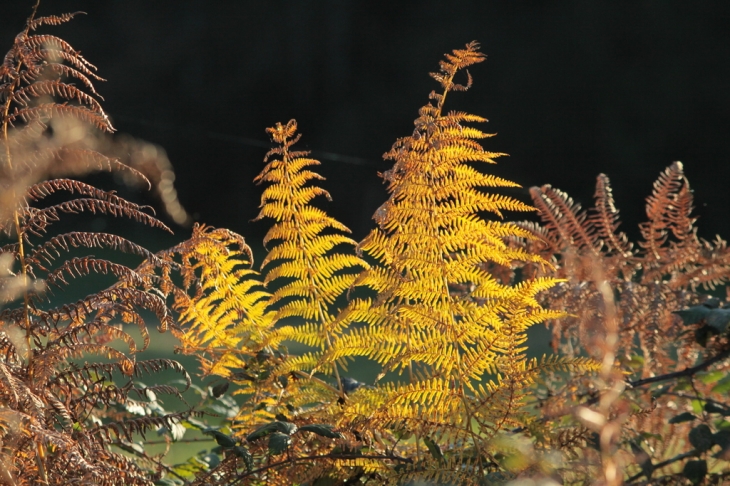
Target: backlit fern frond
[(430, 238), (306, 260), (226, 319)]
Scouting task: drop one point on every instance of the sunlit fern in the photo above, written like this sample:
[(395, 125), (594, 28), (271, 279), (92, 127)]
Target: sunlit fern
[(465, 353)]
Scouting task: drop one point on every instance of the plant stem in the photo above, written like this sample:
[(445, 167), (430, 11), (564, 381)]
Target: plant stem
[(293, 460), (680, 374)]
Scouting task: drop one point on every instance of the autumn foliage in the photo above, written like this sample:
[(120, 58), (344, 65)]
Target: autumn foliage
[(439, 297)]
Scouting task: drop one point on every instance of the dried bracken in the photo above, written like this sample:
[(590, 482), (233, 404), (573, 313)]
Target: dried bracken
[(669, 340), (60, 413)]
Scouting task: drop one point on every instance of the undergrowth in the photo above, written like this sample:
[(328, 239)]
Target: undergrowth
[(440, 294)]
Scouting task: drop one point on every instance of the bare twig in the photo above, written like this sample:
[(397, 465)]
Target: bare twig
[(681, 374), (293, 460)]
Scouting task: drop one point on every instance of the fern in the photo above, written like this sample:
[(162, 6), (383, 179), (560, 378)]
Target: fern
[(647, 287), (305, 256), (430, 238), (464, 351), (56, 411)]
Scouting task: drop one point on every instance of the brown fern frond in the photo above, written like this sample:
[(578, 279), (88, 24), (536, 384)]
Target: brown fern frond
[(78, 267), (51, 249), (636, 290), (126, 429), (564, 217), (51, 394), (80, 334), (52, 20), (659, 209), (55, 88), (45, 111), (37, 220), (605, 218)]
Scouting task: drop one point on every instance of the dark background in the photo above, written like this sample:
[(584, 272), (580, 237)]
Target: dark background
[(573, 88)]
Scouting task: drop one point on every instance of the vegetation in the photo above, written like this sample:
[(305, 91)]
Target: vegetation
[(439, 296)]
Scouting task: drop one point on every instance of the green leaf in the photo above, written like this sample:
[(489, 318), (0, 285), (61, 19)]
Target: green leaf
[(286, 428), (695, 471), (496, 478), (718, 319), (722, 438), (243, 453), (220, 389), (243, 376), (222, 439), (712, 377), (693, 314), (701, 437), (168, 482), (283, 381), (644, 459), (682, 385), (278, 443), (636, 361), (132, 447), (434, 449), (697, 406), (702, 334), (209, 460), (192, 422), (682, 417), (649, 435), (177, 431), (324, 430), (714, 408), (723, 386), (326, 481)]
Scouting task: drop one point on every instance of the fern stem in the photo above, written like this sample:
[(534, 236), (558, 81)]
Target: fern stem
[(16, 216), (294, 460), (321, 382), (40, 459), (340, 389)]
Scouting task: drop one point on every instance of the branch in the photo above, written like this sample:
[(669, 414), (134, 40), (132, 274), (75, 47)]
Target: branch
[(146, 456), (679, 457), (179, 441), (679, 374), (315, 458)]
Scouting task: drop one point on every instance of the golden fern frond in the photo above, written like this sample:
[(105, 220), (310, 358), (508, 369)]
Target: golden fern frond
[(228, 316), (430, 238), (305, 247)]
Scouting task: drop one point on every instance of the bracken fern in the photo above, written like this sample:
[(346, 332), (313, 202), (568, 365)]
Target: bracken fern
[(59, 413)]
